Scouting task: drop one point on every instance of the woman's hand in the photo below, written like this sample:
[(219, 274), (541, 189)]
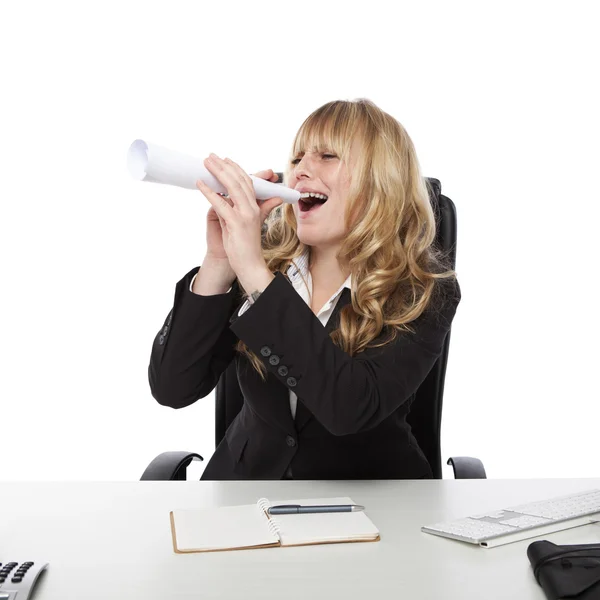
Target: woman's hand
[(233, 228), (214, 229)]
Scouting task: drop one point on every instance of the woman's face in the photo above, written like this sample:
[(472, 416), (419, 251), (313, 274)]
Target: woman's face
[(324, 173)]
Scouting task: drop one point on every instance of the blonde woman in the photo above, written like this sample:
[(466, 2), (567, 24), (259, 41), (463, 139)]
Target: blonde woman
[(334, 309)]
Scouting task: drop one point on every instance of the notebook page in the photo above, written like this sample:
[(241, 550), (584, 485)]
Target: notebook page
[(224, 528), (295, 530)]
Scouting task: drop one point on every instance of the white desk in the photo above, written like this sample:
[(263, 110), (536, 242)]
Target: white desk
[(112, 541)]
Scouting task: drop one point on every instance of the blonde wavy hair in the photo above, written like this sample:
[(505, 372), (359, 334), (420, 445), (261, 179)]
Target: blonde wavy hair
[(389, 248)]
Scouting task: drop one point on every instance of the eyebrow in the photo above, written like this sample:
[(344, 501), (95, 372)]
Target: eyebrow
[(324, 150)]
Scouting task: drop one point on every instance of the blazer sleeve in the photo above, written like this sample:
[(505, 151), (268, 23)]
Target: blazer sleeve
[(194, 346), (346, 394)]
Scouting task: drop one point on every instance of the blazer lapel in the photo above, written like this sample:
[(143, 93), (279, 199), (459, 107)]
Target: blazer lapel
[(303, 415)]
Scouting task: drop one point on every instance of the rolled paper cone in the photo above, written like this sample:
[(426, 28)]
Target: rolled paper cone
[(149, 162)]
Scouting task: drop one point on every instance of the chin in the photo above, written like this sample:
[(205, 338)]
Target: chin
[(308, 240)]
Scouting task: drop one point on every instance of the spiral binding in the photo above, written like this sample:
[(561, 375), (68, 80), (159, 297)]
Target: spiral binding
[(263, 504)]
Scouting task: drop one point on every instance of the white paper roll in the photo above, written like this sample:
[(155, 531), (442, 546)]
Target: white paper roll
[(149, 162)]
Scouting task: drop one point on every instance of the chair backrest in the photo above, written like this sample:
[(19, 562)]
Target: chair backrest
[(425, 416)]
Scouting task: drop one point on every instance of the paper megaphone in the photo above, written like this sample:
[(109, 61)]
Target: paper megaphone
[(149, 162)]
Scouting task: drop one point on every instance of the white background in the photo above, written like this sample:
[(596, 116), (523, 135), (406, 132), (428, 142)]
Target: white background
[(501, 101)]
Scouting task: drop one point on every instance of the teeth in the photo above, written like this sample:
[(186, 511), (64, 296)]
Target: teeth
[(313, 195)]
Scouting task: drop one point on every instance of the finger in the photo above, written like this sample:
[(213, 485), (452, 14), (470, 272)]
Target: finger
[(235, 179), (268, 174), (269, 205), (224, 196), (223, 209), (244, 178), (229, 175)]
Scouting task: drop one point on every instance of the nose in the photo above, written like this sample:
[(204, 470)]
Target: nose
[(303, 168)]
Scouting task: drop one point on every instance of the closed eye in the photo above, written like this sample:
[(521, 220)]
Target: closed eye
[(323, 155)]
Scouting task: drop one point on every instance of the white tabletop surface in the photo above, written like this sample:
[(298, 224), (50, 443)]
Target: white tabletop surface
[(113, 541)]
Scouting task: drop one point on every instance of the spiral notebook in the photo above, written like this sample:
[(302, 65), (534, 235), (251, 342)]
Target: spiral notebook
[(250, 526)]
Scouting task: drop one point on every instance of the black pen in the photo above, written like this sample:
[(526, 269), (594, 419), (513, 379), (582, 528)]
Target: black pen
[(297, 509)]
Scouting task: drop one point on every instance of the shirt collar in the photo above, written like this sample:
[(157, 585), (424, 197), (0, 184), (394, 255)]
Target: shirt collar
[(299, 269)]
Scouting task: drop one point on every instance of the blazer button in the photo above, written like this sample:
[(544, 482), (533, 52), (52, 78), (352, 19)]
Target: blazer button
[(265, 351), (291, 381), (274, 359), (161, 339), (165, 331), (283, 370), (290, 441)]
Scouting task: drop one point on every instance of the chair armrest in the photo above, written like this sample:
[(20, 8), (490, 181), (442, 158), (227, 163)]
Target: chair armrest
[(466, 467), (169, 466)]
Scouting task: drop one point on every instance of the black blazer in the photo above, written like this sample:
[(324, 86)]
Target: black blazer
[(351, 413)]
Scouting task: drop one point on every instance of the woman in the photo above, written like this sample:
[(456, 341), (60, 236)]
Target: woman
[(347, 305)]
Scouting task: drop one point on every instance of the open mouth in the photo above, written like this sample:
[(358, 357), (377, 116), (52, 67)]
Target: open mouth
[(310, 201)]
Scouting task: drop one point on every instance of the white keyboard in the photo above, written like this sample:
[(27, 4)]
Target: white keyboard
[(497, 527)]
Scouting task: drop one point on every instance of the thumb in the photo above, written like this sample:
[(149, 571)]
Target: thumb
[(271, 203), (268, 206)]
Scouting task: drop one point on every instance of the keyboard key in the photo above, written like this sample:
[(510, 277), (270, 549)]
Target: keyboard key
[(525, 521)]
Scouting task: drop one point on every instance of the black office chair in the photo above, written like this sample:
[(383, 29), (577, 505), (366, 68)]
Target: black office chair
[(425, 416)]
